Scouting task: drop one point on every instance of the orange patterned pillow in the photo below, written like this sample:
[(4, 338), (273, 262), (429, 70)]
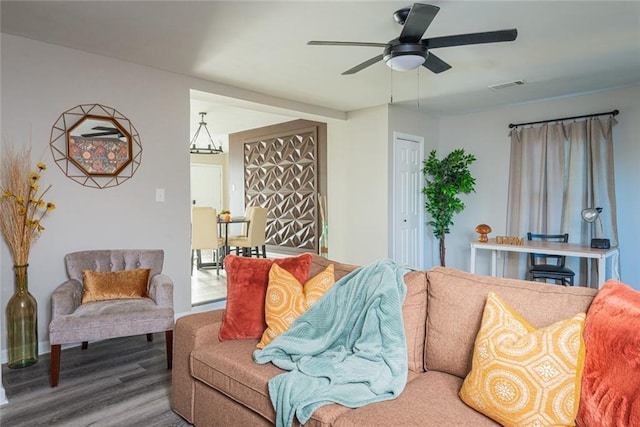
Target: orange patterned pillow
[(287, 299), (105, 285), (522, 376)]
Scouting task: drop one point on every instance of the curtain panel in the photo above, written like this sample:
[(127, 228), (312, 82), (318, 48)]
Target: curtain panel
[(556, 171)]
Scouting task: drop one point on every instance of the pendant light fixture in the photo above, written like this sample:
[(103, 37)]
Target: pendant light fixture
[(211, 148)]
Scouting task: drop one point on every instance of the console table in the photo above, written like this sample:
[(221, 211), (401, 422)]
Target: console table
[(551, 248)]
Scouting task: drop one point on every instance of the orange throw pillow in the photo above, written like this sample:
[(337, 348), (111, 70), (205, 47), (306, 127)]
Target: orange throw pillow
[(247, 280), (610, 394), (287, 299), (106, 285)]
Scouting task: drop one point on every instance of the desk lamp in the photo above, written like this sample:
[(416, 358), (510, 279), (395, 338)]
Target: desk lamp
[(591, 215)]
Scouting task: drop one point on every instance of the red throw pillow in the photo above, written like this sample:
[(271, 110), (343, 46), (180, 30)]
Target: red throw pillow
[(247, 280), (610, 395)]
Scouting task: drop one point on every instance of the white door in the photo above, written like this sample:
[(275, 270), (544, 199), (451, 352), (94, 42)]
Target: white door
[(206, 185), (407, 211)]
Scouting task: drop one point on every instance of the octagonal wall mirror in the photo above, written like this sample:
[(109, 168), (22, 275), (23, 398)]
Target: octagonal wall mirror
[(96, 146), (99, 146)]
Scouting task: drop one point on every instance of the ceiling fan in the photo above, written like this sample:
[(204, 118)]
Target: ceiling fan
[(105, 130), (410, 50)]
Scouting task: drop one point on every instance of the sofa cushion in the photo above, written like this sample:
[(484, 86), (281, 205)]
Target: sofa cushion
[(522, 375), (247, 280), (287, 299), (456, 301), (610, 394), (414, 315), (229, 368), (109, 319), (319, 263), (430, 399)]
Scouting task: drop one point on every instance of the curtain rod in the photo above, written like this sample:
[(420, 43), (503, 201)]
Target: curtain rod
[(613, 113)]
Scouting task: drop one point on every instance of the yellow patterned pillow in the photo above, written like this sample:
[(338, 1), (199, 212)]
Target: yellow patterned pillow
[(287, 299), (522, 376)]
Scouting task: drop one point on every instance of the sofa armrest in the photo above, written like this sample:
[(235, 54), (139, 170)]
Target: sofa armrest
[(66, 298), (190, 332), (161, 290)]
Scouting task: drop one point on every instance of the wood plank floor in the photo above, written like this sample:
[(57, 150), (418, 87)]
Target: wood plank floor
[(117, 382)]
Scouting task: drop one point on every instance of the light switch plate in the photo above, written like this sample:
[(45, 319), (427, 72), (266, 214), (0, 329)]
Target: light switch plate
[(159, 194)]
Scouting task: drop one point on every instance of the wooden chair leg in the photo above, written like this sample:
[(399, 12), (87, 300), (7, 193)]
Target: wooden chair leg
[(169, 341), (264, 251), (55, 364), (149, 337), (85, 345)]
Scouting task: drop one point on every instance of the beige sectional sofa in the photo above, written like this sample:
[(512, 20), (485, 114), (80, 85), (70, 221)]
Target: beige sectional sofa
[(218, 383)]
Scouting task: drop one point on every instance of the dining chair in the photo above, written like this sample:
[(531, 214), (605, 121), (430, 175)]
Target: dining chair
[(245, 225), (540, 268), (256, 235), (204, 235)]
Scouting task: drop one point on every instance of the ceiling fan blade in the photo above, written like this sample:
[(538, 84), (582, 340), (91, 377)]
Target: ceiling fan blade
[(333, 43), (105, 128), (471, 38), (90, 135), (417, 22), (363, 65), (435, 64)]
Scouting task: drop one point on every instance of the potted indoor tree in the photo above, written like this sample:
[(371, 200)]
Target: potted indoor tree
[(445, 179)]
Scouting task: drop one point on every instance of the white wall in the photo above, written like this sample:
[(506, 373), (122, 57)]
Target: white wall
[(357, 186), (359, 159), (41, 81), (415, 123), (485, 134)]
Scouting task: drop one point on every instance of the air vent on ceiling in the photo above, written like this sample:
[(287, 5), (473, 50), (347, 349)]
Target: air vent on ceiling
[(499, 86)]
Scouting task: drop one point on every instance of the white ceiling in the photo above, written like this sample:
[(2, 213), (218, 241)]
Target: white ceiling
[(563, 48)]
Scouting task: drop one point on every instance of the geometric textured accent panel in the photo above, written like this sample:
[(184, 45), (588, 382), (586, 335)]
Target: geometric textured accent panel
[(281, 174)]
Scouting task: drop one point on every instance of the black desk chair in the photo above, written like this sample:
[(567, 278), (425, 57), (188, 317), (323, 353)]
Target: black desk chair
[(539, 263)]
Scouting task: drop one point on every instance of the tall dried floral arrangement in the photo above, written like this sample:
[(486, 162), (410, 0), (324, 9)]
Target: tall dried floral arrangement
[(22, 202)]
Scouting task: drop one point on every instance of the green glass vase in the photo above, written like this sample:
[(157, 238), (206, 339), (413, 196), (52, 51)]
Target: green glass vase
[(22, 322)]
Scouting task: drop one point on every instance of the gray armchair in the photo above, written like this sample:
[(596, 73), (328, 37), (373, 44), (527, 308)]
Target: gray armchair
[(73, 322)]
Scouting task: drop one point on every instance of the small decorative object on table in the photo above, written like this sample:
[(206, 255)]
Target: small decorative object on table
[(225, 215), (23, 208), (510, 240), (483, 230)]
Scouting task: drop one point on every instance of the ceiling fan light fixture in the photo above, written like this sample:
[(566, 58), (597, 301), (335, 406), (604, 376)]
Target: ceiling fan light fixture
[(404, 56), (405, 62)]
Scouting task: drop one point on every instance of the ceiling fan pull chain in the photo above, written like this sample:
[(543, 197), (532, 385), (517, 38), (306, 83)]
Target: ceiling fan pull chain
[(418, 88), (391, 74)]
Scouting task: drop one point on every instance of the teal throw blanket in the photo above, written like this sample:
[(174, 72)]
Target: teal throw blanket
[(349, 347)]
